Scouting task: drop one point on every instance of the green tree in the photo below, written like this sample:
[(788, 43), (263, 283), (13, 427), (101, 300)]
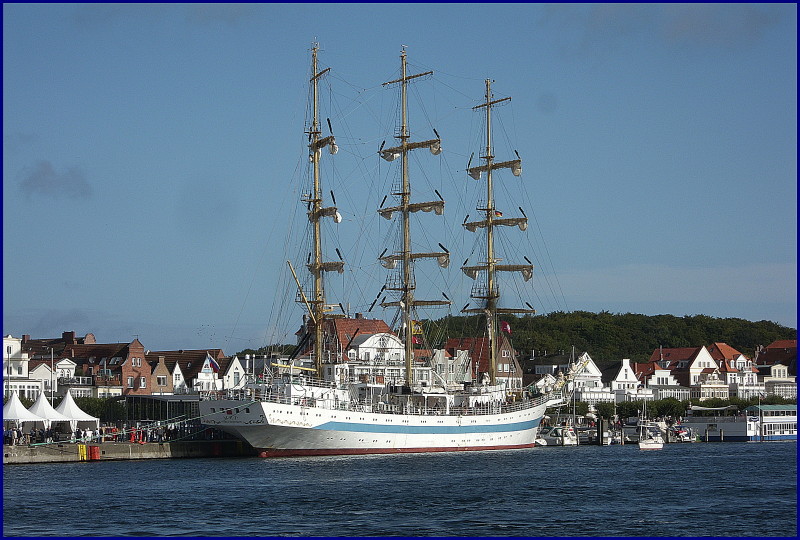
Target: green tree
[(606, 410)]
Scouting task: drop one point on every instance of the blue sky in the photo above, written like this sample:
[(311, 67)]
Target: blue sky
[(150, 155)]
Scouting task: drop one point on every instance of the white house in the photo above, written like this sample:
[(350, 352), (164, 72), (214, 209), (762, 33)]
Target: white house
[(47, 376), (778, 382), (179, 384), (381, 359), (234, 375), (627, 387), (206, 378), (588, 384), (15, 370), (452, 366), (737, 371)]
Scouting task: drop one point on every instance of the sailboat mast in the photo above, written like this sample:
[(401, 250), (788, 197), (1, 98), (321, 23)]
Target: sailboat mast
[(406, 284), (317, 266), (405, 198), (316, 205), (493, 218), (492, 293)]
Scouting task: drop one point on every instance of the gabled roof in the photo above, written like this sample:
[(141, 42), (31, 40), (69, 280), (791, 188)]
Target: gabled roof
[(346, 329), (645, 370), (783, 344), (41, 347), (783, 352), (224, 364), (478, 349), (190, 361), (726, 365), (97, 353), (675, 355), (33, 364), (723, 351)]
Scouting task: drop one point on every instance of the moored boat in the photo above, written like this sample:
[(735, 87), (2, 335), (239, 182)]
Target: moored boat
[(649, 433), (557, 436), (355, 385)]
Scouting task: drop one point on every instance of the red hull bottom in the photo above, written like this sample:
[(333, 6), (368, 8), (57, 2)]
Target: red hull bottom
[(358, 451)]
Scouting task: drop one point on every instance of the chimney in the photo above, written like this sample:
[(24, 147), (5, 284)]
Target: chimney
[(68, 337), (359, 315), (26, 338)]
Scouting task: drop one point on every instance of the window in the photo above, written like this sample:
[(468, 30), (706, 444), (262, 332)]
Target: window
[(506, 353), (19, 370), (235, 378), (161, 380), (130, 382), (142, 382)]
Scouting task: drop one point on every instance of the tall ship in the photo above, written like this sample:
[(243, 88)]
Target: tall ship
[(358, 386)]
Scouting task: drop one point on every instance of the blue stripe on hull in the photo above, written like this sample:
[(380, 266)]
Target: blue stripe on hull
[(428, 430)]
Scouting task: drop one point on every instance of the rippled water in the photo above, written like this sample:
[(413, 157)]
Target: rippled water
[(700, 489)]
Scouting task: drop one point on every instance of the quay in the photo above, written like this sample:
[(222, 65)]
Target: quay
[(117, 451)]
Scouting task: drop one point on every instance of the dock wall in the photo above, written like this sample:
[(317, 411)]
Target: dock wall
[(108, 451)]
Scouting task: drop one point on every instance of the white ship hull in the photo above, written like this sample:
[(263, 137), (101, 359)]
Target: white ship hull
[(276, 429)]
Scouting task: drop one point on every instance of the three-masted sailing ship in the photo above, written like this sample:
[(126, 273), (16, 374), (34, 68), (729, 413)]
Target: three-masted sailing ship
[(367, 389)]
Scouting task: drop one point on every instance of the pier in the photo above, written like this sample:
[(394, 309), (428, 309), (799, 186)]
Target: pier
[(116, 451)]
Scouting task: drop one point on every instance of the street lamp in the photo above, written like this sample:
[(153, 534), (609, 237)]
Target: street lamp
[(52, 372), (8, 384)]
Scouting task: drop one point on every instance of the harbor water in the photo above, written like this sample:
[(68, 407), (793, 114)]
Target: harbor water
[(689, 489)]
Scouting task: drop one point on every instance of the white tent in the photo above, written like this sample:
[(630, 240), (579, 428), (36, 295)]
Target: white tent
[(49, 415), (15, 411), (68, 408)]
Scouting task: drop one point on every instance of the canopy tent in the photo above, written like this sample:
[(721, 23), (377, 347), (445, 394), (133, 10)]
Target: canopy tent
[(49, 415), (14, 411), (68, 408)]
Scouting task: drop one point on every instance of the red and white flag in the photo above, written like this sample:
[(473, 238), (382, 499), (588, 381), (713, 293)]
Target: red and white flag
[(505, 327)]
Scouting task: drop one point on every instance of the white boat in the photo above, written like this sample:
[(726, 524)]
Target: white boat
[(327, 399), (757, 423), (649, 433), (557, 436)]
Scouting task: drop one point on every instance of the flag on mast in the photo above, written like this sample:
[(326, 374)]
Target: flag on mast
[(505, 327)]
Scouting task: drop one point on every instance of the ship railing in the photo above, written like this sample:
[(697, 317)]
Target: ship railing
[(310, 381), (267, 394)]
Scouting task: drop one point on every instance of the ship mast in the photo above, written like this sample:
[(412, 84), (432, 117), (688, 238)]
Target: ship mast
[(317, 267), (407, 284), (491, 293)]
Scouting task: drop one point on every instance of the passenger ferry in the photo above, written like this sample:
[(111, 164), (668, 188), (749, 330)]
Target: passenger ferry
[(758, 423)]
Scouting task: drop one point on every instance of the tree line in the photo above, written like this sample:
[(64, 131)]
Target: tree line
[(607, 337), (610, 337)]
